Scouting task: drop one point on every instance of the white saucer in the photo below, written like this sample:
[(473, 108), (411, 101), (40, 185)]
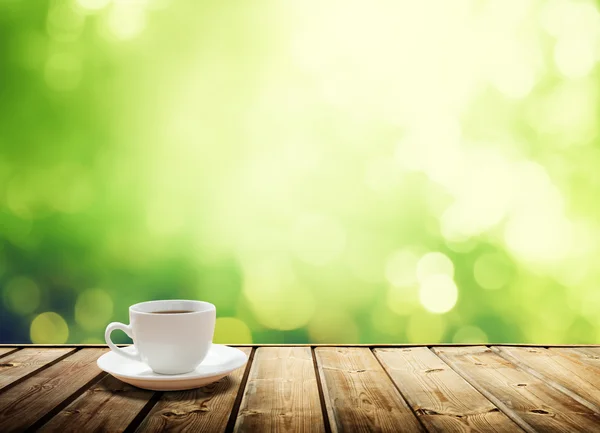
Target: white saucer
[(220, 361)]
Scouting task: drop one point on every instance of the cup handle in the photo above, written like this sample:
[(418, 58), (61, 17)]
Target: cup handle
[(127, 330)]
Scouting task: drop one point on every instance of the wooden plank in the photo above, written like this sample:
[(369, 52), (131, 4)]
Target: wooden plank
[(204, 409), (359, 395), (281, 393), (576, 379), (110, 405), (7, 350), (587, 355), (527, 400), (439, 396), (24, 404), (22, 363)]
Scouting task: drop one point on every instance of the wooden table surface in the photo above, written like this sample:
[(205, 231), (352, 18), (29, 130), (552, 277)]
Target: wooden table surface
[(316, 389)]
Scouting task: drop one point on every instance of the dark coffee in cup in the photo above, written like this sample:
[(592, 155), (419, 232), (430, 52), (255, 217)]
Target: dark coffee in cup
[(173, 312)]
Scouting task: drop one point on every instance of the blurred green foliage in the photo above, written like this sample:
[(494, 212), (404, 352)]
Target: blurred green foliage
[(340, 171)]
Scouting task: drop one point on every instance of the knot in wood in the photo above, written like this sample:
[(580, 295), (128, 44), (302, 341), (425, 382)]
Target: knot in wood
[(540, 411)]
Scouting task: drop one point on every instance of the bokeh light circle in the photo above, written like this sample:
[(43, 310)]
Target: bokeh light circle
[(93, 309), (49, 328), (536, 238), (230, 330), (22, 295), (438, 293), (126, 19), (434, 263)]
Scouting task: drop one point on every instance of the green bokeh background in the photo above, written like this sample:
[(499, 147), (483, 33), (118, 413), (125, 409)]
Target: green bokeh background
[(327, 172)]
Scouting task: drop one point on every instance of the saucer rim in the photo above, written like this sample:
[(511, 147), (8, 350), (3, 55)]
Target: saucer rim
[(176, 377)]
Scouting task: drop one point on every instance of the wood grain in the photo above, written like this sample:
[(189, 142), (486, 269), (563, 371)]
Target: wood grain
[(439, 396), (59, 389), (110, 405), (19, 364), (27, 402), (359, 395), (206, 409), (281, 394), (586, 355), (6, 350), (529, 401), (577, 379)]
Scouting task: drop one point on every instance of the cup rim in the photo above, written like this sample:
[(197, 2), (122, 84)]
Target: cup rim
[(208, 307)]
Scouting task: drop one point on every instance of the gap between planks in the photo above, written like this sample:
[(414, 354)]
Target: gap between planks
[(137, 418), (443, 401), (360, 395), (410, 406), (321, 394), (65, 403), (142, 414), (7, 352), (491, 397), (35, 401), (238, 398), (281, 393), (37, 370), (248, 366), (504, 379), (526, 368)]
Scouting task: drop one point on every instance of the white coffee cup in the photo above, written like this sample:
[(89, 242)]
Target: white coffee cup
[(167, 341)]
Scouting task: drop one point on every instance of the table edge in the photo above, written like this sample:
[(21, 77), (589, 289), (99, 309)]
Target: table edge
[(375, 345)]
